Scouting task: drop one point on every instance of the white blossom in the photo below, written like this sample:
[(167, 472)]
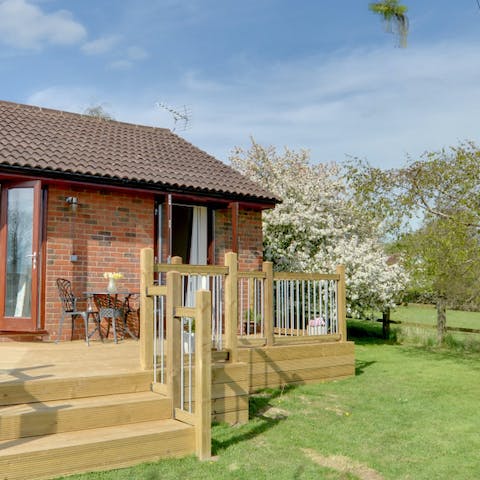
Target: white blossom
[(317, 227)]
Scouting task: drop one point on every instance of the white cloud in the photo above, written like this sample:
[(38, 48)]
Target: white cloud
[(136, 53), (24, 25), (70, 99), (378, 104), (132, 54), (101, 45), (120, 65)]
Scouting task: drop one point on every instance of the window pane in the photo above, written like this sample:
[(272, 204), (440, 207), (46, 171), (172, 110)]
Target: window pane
[(19, 251)]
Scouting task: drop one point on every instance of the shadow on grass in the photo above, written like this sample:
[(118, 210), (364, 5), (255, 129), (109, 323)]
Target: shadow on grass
[(361, 366), (366, 332), (259, 402), (247, 432), (258, 410)]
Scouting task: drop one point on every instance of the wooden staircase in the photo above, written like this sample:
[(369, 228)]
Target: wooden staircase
[(58, 426)]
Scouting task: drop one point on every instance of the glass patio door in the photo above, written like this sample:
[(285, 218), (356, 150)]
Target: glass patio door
[(19, 255)]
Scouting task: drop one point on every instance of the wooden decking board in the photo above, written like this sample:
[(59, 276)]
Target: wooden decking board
[(35, 361), (285, 352), (223, 390), (248, 342), (226, 373), (102, 449), (58, 388), (47, 418), (86, 437), (232, 418), (299, 364), (229, 372), (276, 379), (232, 404), (296, 338)]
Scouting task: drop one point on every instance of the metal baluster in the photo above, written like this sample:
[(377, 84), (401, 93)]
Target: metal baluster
[(162, 336), (155, 337), (242, 314), (190, 348), (182, 368)]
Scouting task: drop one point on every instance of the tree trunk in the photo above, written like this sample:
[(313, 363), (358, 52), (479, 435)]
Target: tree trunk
[(386, 323), (441, 319)]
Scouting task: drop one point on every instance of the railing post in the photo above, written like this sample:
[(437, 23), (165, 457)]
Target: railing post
[(268, 299), (231, 305), (146, 309), (176, 260), (174, 333), (203, 374), (342, 303)]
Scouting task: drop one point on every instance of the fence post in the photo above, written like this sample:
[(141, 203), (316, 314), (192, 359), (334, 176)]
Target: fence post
[(203, 374), (342, 303), (231, 305), (174, 333), (268, 307), (441, 318), (146, 309)]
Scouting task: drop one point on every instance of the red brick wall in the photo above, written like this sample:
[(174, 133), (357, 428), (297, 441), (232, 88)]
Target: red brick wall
[(250, 239), (223, 234), (106, 233)]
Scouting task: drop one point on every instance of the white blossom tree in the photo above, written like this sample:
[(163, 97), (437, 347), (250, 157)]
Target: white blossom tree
[(317, 226)]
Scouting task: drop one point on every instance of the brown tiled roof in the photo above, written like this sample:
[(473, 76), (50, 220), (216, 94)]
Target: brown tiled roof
[(83, 146)]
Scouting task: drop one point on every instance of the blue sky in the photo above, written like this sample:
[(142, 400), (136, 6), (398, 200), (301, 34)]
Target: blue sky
[(315, 74)]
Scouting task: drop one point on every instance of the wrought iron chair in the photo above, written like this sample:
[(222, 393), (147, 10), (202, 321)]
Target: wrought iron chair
[(111, 309), (69, 307), (129, 310)]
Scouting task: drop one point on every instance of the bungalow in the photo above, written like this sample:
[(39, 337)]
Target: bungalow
[(80, 196)]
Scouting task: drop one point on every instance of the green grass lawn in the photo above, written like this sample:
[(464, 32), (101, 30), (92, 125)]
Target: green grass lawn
[(427, 314), (409, 413)]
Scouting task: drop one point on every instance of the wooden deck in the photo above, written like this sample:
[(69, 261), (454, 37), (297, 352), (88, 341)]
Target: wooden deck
[(60, 404), (40, 360)]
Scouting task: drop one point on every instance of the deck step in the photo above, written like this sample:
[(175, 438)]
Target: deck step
[(57, 416), (98, 449), (20, 391)]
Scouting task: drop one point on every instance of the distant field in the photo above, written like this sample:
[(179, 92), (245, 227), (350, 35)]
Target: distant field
[(427, 314)]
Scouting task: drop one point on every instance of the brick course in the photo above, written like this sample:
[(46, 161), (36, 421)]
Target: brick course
[(107, 232), (250, 239)]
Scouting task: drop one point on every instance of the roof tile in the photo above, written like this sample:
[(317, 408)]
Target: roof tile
[(41, 138)]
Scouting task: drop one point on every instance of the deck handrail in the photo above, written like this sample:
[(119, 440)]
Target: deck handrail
[(195, 277), (179, 374), (305, 276), (251, 274), (186, 268), (246, 303)]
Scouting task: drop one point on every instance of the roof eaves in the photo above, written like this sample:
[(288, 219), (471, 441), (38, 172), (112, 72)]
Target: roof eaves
[(58, 174)]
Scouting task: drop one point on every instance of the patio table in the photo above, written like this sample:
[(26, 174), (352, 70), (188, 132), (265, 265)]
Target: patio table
[(113, 308)]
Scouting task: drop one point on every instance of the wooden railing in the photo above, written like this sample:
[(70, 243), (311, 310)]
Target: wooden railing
[(306, 304), (260, 307), (181, 375), (196, 277)]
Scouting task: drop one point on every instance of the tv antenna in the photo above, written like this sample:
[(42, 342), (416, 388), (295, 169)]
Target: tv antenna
[(181, 116)]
